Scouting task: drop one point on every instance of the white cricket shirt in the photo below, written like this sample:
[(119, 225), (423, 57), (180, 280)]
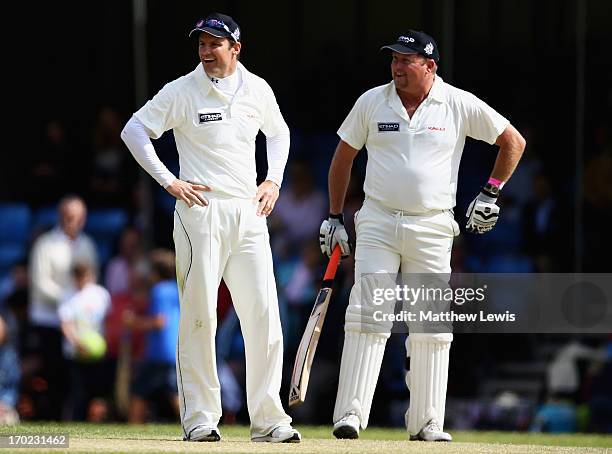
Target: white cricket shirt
[(215, 135), (86, 308), (51, 260), (413, 163)]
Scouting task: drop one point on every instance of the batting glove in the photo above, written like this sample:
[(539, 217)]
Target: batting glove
[(332, 232), (482, 213)]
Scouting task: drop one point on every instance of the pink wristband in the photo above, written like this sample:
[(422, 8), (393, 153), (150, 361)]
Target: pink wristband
[(496, 182)]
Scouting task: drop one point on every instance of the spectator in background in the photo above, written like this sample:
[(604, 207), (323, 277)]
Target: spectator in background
[(124, 346), (81, 312), (541, 220), (599, 392), (9, 369), (121, 267), (51, 260), (50, 168), (113, 171), (156, 376), (520, 187), (598, 205), (16, 301), (300, 292), (297, 211)]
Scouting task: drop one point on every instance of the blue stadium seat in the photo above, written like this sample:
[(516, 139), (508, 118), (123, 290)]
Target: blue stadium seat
[(14, 223), (106, 223), (45, 218), (10, 254), (104, 249), (105, 226)]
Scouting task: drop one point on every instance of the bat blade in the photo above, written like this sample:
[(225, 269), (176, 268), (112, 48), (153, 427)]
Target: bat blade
[(308, 345)]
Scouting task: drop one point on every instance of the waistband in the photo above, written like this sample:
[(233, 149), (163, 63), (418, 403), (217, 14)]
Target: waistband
[(220, 195), (396, 212)]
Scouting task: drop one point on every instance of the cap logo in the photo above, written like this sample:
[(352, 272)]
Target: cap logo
[(215, 23), (429, 49), (220, 25), (405, 39)]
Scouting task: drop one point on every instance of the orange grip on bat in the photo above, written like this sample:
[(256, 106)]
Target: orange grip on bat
[(332, 266)]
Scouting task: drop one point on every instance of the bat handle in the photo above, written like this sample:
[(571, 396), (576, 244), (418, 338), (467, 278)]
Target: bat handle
[(332, 266)]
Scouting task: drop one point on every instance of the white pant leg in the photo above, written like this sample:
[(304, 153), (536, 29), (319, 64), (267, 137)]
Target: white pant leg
[(250, 278), (201, 253), (365, 338), (427, 243)]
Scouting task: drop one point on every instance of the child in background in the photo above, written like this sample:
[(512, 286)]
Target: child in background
[(82, 315)]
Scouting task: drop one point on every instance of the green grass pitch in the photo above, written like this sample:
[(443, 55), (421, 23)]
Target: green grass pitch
[(166, 438)]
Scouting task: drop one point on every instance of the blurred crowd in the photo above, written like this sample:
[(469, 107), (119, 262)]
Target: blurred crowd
[(101, 261)]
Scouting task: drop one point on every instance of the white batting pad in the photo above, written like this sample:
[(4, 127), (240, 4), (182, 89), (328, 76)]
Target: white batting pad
[(361, 359), (427, 379)]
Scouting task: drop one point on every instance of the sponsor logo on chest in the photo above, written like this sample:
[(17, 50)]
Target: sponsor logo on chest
[(210, 116), (388, 127)]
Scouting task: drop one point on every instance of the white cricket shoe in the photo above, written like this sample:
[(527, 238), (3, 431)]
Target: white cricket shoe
[(203, 433), (432, 432), (282, 434), (347, 427)]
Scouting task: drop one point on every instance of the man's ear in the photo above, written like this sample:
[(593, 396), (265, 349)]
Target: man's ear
[(431, 65), (236, 48)]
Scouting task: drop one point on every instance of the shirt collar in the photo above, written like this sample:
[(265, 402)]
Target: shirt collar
[(438, 90), (206, 84), (60, 233)]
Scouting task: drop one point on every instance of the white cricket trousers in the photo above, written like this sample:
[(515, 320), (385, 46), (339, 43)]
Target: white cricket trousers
[(387, 241), (226, 239)]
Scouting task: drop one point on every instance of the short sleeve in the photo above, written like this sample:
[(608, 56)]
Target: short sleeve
[(354, 129), (157, 297), (274, 123), (66, 308), (107, 301), (482, 121), (163, 112)]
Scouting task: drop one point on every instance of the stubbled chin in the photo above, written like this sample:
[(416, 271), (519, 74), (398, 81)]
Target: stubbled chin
[(210, 68)]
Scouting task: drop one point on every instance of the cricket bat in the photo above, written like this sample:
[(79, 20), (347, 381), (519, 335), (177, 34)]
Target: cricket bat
[(310, 338)]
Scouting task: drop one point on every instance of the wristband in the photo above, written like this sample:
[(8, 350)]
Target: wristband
[(338, 216), (496, 182), (490, 190)]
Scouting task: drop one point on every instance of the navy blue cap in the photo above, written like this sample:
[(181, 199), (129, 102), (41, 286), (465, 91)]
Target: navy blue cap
[(219, 25), (414, 42)]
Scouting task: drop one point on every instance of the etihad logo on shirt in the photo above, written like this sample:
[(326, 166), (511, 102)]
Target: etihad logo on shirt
[(388, 127), (436, 128), (210, 116)]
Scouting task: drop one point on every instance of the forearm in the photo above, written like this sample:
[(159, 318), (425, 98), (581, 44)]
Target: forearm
[(339, 176), (277, 148), (43, 286), (138, 142), (149, 323), (69, 331), (511, 147)]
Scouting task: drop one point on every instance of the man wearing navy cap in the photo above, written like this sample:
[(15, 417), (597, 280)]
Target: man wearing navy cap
[(414, 129), (220, 228)]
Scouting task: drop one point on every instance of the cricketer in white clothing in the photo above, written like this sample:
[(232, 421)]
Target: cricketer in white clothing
[(414, 129), (52, 257), (220, 228)]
